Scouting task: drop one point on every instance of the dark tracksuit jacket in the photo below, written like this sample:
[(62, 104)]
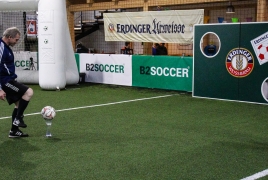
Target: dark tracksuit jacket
[(7, 66)]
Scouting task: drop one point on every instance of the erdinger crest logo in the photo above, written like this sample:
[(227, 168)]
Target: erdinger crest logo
[(239, 62), (111, 27)]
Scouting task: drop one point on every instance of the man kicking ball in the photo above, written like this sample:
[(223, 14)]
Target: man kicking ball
[(10, 89)]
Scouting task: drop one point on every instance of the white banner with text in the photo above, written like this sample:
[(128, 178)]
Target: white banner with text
[(175, 26)]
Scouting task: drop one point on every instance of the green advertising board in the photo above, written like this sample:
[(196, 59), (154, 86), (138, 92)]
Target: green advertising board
[(238, 71), (77, 59), (162, 72)]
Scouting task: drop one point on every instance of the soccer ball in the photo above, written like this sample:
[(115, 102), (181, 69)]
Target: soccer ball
[(263, 51), (48, 113), (45, 41)]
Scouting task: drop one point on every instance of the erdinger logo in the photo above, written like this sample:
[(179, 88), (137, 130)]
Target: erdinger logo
[(111, 27), (239, 62)]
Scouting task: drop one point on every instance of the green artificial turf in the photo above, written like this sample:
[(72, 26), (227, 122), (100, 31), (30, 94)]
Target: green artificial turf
[(172, 137)]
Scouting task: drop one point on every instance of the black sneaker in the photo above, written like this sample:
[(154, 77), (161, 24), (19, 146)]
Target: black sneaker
[(19, 122), (17, 133)]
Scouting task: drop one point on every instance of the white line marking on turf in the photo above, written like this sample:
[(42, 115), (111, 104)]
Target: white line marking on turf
[(98, 105), (257, 175)]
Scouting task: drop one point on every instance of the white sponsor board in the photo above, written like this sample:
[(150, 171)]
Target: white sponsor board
[(152, 26), (107, 69), (260, 46), (25, 60)]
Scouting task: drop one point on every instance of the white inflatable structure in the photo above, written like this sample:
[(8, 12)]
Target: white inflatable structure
[(18, 5), (57, 65)]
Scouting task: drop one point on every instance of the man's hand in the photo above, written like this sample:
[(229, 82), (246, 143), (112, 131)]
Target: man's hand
[(2, 95)]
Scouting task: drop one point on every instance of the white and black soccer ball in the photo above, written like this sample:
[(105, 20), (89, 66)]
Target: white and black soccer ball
[(48, 113), (46, 41)]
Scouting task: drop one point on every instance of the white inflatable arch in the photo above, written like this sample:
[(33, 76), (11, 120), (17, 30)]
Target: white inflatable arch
[(57, 65)]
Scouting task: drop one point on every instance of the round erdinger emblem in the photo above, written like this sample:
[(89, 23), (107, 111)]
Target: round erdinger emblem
[(239, 62), (111, 27)]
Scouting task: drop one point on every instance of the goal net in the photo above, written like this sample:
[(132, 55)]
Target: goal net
[(25, 51), (26, 21)]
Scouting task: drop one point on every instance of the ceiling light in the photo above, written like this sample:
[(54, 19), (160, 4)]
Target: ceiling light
[(230, 8)]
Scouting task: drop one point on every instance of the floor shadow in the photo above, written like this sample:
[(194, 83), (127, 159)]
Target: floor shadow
[(11, 154), (52, 139)]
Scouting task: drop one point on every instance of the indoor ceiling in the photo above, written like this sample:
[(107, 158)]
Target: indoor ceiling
[(85, 1)]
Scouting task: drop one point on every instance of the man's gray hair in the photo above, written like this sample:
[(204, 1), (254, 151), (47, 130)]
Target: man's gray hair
[(11, 32)]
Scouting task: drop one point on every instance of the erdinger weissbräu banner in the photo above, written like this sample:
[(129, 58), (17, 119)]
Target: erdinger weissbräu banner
[(152, 26)]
